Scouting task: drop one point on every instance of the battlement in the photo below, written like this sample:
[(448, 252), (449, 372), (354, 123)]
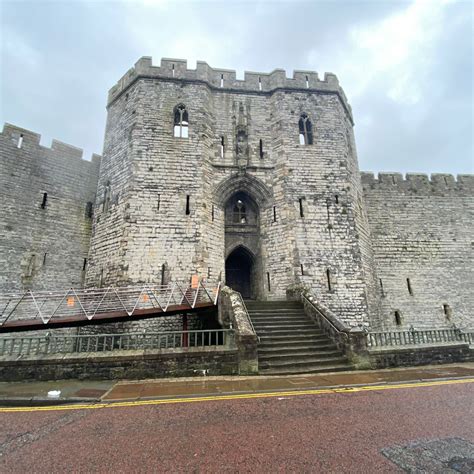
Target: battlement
[(255, 82), (31, 139), (419, 183)]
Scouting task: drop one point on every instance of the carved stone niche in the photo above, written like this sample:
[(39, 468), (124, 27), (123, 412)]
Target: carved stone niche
[(242, 147)]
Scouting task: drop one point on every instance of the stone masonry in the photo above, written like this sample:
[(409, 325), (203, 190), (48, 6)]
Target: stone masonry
[(47, 197), (201, 171)]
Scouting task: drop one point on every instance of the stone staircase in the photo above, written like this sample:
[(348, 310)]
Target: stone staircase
[(290, 342)]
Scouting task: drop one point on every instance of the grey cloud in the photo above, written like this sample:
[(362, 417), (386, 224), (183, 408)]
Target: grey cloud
[(81, 49)]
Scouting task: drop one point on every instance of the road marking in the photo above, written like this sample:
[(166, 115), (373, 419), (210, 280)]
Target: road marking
[(239, 396)]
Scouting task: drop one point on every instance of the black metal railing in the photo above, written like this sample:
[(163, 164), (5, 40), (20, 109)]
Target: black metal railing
[(42, 345), (418, 337)]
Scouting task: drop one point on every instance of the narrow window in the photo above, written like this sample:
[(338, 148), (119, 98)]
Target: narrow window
[(306, 130), (20, 141), (222, 147), (84, 265), (410, 290), (336, 198), (307, 83), (239, 213), (158, 202), (212, 213), (101, 278), (261, 148), (44, 203), (181, 122), (268, 281), (302, 269), (398, 318), (126, 96), (222, 80), (172, 70), (274, 214), (328, 278), (381, 287), (163, 274), (106, 203), (44, 259), (187, 206), (259, 83), (208, 272), (301, 207), (447, 311), (89, 210)]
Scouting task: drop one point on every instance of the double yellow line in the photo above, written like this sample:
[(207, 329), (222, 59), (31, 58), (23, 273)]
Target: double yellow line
[(240, 396)]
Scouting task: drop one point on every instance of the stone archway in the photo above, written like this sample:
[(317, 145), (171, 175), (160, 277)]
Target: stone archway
[(240, 272), (243, 197)]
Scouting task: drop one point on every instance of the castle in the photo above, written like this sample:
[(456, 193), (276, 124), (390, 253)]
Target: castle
[(254, 182)]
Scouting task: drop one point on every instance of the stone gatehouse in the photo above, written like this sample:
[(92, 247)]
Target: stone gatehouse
[(254, 182)]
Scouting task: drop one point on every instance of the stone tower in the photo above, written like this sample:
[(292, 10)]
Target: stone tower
[(251, 181)]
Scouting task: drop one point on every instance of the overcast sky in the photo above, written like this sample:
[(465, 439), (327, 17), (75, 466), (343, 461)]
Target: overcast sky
[(406, 67)]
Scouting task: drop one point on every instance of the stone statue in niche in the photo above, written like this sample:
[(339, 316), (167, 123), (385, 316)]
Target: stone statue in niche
[(242, 144), (242, 147)]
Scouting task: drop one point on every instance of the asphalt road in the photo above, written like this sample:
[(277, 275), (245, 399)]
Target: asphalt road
[(326, 432)]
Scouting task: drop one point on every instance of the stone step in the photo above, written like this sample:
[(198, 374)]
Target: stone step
[(297, 356), (272, 304), (286, 364), (294, 331), (295, 347), (305, 370), (285, 338), (276, 311), (288, 320), (282, 317), (288, 326)]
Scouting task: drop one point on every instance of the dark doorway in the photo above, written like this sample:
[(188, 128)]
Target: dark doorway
[(238, 271)]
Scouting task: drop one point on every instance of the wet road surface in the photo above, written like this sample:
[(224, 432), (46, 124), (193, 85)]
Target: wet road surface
[(326, 432)]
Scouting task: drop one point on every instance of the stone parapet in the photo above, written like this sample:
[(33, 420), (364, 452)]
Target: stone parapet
[(232, 313), (58, 148), (225, 79), (419, 183)]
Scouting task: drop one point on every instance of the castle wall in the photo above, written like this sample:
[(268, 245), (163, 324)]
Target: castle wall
[(43, 247), (144, 232), (327, 255), (422, 229)]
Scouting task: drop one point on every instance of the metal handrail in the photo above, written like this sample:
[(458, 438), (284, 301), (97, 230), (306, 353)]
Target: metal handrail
[(343, 333), (416, 337), (248, 315), (75, 343)]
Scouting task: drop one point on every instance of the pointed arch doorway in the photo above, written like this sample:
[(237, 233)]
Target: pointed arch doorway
[(242, 244), (240, 271)]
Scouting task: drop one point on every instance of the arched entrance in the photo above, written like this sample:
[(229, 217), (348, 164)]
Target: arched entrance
[(242, 244), (239, 271)]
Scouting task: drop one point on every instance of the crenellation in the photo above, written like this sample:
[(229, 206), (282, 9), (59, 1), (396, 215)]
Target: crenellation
[(32, 140), (66, 151), (466, 182), (420, 183), (176, 69), (14, 132), (390, 179)]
